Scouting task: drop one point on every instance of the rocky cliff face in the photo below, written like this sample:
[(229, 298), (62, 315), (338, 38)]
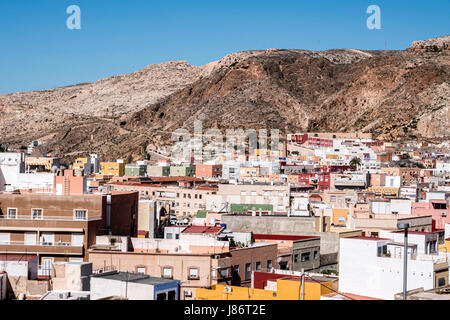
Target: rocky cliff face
[(393, 94)]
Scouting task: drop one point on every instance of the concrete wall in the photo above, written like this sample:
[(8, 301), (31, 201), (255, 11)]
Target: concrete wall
[(305, 226), (72, 276), (302, 247), (102, 288)]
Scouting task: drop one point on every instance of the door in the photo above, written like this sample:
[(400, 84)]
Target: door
[(77, 239), (30, 238), (47, 265)]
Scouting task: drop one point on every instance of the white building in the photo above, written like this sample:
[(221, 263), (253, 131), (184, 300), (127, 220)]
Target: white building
[(11, 165), (392, 206), (133, 286), (427, 242), (366, 268), (442, 167), (13, 175), (393, 182), (300, 205)]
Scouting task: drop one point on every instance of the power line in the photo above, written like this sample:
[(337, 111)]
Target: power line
[(328, 287)]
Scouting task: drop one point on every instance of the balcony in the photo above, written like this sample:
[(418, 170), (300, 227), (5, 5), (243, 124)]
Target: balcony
[(57, 248), (45, 223), (349, 183), (47, 218)]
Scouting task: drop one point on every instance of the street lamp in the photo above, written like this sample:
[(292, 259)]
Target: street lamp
[(404, 226)]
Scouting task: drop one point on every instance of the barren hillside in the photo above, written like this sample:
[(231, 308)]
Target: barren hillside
[(393, 94)]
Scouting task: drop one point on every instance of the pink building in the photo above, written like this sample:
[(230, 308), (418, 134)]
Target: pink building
[(438, 209), (69, 184)]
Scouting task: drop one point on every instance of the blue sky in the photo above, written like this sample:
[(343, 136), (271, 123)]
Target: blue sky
[(38, 51)]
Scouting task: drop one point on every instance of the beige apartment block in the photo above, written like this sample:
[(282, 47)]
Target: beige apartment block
[(276, 195), (184, 202)]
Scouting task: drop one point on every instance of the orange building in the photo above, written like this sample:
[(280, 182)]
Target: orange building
[(208, 171)]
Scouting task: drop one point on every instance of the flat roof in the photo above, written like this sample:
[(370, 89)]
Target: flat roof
[(367, 238), (416, 232), (134, 277), (202, 230), (282, 237)]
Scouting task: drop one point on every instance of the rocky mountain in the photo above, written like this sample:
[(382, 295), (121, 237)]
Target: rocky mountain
[(392, 94)]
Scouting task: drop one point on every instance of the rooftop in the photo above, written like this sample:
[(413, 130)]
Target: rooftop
[(368, 238), (202, 230), (282, 237), (133, 277)]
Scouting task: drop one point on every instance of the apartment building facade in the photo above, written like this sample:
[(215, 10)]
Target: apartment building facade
[(263, 194), (181, 201), (61, 228)]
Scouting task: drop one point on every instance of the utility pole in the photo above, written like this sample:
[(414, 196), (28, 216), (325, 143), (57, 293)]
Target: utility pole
[(303, 285), (405, 227)]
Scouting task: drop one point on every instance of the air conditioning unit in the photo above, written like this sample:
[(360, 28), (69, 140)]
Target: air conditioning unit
[(188, 294)]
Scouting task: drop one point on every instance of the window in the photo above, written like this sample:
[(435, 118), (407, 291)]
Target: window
[(253, 193), (172, 295), (306, 256), (258, 266), (441, 282), (316, 255), (169, 236), (296, 258), (80, 215), (77, 239), (12, 213), (167, 273), (4, 238), (36, 214), (243, 193), (223, 273), (161, 296), (248, 271), (193, 274), (269, 264), (236, 271), (141, 270)]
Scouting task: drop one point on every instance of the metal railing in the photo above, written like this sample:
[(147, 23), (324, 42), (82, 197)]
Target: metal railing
[(48, 218), (39, 244), (104, 270)]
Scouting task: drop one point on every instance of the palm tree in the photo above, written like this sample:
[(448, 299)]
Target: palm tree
[(355, 162)]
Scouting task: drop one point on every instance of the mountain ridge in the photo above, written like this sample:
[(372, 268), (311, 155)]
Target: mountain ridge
[(393, 94)]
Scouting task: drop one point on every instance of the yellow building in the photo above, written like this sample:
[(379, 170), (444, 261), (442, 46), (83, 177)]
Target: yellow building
[(42, 163), (340, 216), (445, 247), (79, 163), (283, 290), (332, 157), (385, 191), (116, 169), (250, 172)]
